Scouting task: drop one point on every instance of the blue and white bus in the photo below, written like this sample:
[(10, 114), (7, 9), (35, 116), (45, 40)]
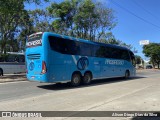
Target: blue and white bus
[(55, 58)]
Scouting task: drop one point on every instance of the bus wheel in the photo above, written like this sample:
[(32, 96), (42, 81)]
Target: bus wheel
[(87, 78), (76, 80), (127, 74), (1, 72)]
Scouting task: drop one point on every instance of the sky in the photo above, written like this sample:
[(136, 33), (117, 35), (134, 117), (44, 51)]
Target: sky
[(136, 20)]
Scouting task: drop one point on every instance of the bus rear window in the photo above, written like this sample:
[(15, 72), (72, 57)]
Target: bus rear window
[(34, 40)]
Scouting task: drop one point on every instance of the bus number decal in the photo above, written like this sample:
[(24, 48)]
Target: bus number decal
[(114, 62)]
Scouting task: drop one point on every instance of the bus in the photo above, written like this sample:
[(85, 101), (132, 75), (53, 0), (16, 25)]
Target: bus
[(55, 58), (12, 63)]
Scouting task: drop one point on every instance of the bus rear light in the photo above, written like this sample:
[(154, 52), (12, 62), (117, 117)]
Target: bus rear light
[(44, 67)]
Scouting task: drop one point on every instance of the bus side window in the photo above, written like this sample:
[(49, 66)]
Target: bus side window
[(16, 59), (2, 59), (73, 47), (85, 49), (125, 55), (132, 58), (10, 58), (21, 58), (97, 51)]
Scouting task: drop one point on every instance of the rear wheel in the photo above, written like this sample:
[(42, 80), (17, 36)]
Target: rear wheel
[(1, 72), (127, 74), (76, 79), (87, 78)]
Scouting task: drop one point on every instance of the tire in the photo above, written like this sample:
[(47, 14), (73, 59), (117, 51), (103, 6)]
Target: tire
[(76, 80), (87, 78), (127, 74), (1, 72)]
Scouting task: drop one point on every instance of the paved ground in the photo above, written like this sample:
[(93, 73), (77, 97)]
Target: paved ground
[(141, 93), (13, 77), (22, 77)]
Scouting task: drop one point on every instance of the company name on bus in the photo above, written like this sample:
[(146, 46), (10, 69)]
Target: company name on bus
[(114, 62), (34, 43)]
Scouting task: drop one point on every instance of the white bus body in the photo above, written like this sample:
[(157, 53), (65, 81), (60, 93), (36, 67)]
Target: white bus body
[(15, 63)]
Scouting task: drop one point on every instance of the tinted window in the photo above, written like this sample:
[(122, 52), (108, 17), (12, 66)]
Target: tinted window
[(21, 58), (85, 49), (125, 55), (65, 46), (11, 58), (58, 44), (95, 49), (2, 58), (114, 53), (73, 47), (100, 51), (132, 58), (107, 52)]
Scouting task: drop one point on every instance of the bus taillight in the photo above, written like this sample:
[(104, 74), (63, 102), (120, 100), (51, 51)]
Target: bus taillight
[(44, 68)]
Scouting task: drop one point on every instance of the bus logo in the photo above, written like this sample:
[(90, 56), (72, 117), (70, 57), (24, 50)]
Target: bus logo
[(82, 63), (31, 66)]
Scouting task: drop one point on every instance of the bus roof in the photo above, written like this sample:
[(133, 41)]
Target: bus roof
[(35, 34), (86, 41)]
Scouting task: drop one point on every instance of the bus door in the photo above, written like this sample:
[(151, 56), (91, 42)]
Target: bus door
[(112, 68), (109, 68), (117, 69)]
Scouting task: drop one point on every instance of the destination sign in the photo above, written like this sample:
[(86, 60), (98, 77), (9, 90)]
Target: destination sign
[(34, 43)]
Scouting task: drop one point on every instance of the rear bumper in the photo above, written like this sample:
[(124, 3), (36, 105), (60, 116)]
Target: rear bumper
[(38, 78)]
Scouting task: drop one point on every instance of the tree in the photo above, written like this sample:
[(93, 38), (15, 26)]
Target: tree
[(81, 18), (152, 50), (63, 13), (105, 22), (41, 20), (86, 20), (14, 19), (110, 39)]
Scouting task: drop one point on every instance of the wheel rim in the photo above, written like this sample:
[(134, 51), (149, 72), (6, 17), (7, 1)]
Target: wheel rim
[(0, 72), (76, 80), (127, 74), (87, 79)]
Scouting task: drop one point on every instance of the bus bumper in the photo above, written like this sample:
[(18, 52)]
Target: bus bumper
[(38, 78)]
